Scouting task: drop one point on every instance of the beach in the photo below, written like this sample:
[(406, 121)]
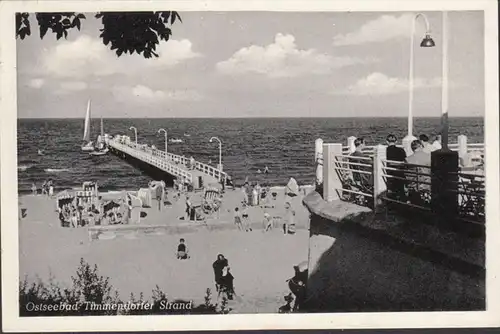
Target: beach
[(136, 262)]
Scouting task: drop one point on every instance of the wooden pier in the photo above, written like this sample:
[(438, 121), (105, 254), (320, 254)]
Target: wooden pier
[(159, 162)]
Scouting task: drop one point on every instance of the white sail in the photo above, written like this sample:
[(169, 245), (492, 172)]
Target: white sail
[(86, 131)]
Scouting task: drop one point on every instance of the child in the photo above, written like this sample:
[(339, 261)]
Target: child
[(237, 219), (267, 222), (182, 250)]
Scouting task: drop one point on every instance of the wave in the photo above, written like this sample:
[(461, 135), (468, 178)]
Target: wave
[(56, 170), (23, 168)]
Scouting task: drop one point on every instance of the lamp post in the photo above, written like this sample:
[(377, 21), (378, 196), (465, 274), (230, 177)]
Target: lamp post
[(444, 86), (166, 139), (427, 42), (219, 167), (444, 162), (135, 131)]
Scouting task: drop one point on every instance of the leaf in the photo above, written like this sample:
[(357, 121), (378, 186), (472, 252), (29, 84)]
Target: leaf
[(59, 35), (65, 34), (43, 30), (66, 22), (81, 16), (77, 23)]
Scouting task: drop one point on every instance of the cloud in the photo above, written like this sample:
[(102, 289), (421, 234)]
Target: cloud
[(282, 59), (73, 85), (36, 83), (380, 84), (142, 93), (87, 56), (383, 28)]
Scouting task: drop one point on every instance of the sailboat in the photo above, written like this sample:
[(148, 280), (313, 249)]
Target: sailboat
[(87, 145), (101, 146)]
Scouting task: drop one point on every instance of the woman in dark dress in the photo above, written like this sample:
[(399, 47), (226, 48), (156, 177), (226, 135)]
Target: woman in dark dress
[(219, 266)]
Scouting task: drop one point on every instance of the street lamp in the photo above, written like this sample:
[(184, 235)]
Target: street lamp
[(219, 167), (135, 131), (427, 42), (444, 86), (166, 139)]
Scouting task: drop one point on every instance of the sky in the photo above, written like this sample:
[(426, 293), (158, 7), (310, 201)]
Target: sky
[(259, 64)]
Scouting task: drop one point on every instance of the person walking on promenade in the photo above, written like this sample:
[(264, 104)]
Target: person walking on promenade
[(395, 184)]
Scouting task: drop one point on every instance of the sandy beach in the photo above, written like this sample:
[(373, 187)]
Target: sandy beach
[(260, 262)]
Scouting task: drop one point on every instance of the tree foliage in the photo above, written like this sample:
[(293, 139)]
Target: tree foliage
[(139, 32)]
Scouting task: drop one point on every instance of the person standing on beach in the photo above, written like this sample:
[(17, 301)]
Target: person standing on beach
[(246, 219), (34, 190), (237, 219), (44, 187), (267, 223), (188, 208), (51, 190), (218, 267), (395, 185)]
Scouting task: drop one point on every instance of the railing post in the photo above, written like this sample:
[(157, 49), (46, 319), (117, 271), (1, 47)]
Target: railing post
[(462, 150), (318, 156), (379, 186), (331, 181), (350, 144)]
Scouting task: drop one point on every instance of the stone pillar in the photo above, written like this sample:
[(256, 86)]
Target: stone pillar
[(331, 180), (444, 168), (350, 144), (318, 160), (407, 144), (379, 186)]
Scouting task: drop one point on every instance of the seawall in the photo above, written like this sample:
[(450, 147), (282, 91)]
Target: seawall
[(360, 262)]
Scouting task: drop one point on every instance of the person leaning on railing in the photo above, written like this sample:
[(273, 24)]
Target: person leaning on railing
[(395, 184), (418, 166)]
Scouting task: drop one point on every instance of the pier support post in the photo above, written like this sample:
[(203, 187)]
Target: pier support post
[(318, 160), (462, 150), (350, 144), (444, 183), (407, 144), (379, 185), (331, 180)]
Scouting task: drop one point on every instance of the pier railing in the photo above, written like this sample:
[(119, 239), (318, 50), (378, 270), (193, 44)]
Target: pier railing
[(152, 157), (167, 161), (371, 180)]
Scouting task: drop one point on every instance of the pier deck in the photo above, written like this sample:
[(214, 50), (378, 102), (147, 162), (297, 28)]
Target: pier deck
[(173, 164)]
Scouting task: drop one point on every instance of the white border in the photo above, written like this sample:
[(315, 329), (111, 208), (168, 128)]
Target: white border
[(9, 214)]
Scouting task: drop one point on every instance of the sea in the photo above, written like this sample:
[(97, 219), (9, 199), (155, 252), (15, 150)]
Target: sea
[(284, 145)]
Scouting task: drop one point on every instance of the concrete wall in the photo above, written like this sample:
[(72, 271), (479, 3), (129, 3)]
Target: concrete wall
[(361, 267)]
